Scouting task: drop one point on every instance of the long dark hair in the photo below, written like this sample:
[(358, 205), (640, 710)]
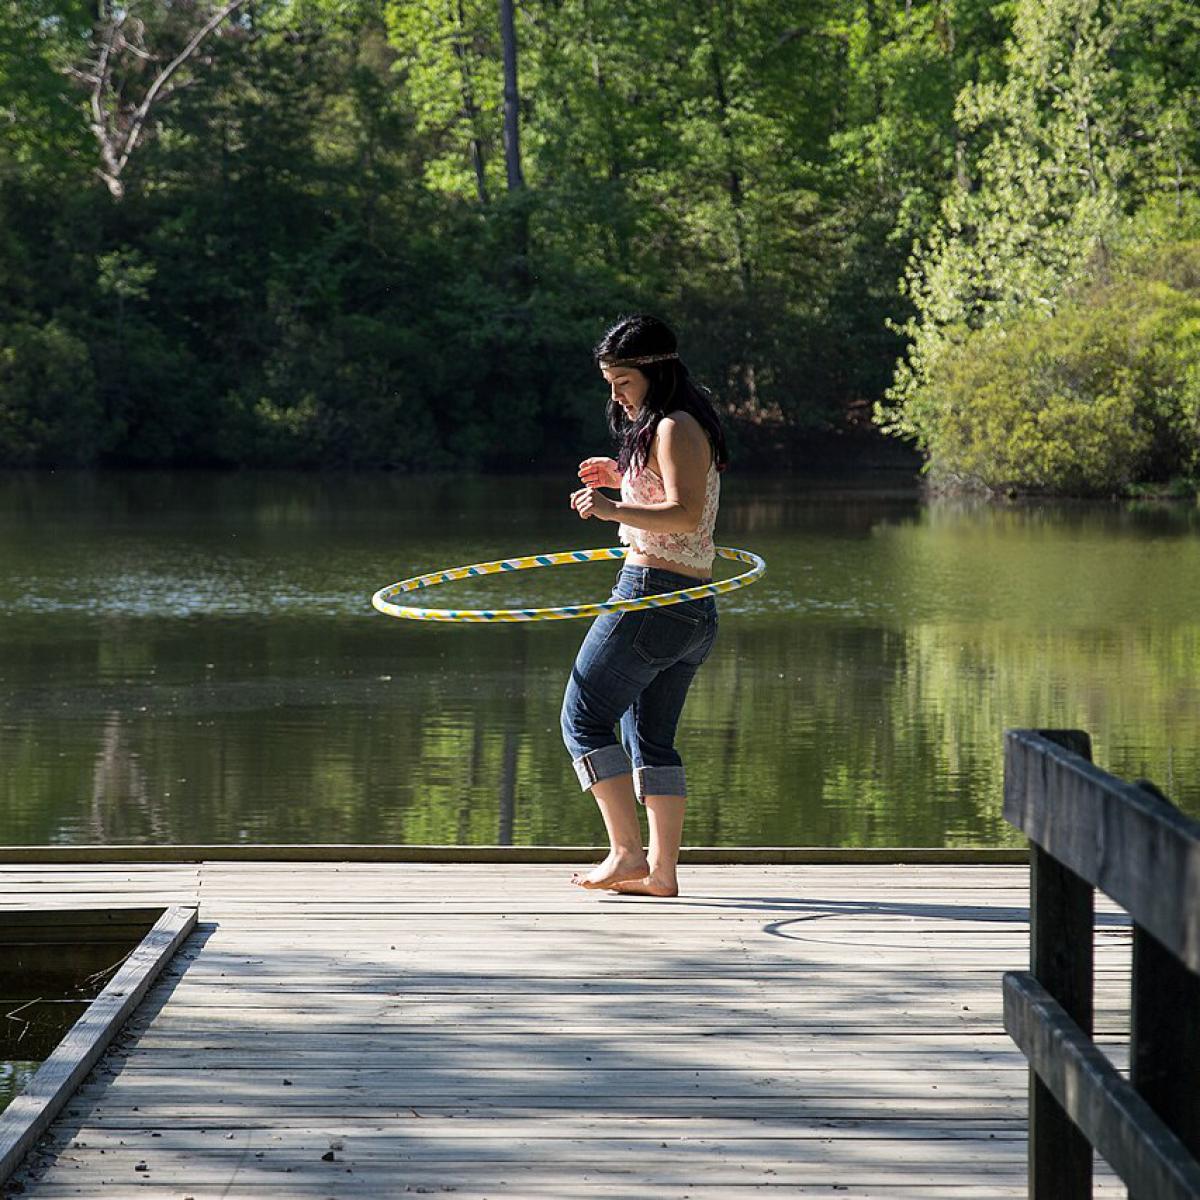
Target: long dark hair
[(671, 389)]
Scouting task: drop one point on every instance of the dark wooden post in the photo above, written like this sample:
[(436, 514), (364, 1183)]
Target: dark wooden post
[(1091, 831), (1061, 918), (1165, 1034)]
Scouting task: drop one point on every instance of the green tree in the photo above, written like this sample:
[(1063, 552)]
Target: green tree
[(1046, 185), (42, 132), (324, 254), (1072, 140), (1101, 393), (49, 412), (449, 63)]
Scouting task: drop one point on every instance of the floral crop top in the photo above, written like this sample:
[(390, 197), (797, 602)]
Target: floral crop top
[(693, 549)]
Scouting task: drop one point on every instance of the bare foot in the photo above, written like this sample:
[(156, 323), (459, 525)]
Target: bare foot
[(616, 868), (650, 885)]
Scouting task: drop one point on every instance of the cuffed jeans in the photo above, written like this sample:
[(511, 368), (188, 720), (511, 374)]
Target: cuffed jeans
[(634, 670)]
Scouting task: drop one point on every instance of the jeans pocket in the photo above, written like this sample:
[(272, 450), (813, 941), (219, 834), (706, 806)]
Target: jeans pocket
[(664, 635)]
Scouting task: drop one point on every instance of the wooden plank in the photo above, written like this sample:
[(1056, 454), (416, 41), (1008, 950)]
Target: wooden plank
[(1136, 847), (552, 1186), (708, 855), (37, 1105), (486, 1124), (329, 1066), (528, 1079), (307, 1034), (831, 1113), (180, 1108), (469, 1146), (1114, 1118), (507, 1167)]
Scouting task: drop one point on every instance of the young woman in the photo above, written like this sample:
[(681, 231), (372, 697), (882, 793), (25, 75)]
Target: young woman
[(634, 668)]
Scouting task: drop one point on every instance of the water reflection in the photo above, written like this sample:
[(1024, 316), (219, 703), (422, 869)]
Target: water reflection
[(119, 788), (193, 658), (14, 1076)]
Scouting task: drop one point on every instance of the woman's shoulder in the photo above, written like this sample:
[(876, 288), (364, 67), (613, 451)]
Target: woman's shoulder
[(681, 428), (682, 419), (682, 432)]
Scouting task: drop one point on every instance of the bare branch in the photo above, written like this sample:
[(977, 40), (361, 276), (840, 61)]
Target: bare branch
[(178, 86), (99, 116), (144, 55), (82, 76), (143, 109), (119, 128)]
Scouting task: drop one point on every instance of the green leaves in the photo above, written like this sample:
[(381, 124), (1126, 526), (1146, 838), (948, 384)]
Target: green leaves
[(1088, 400), (49, 411), (756, 171), (1059, 151), (125, 274)]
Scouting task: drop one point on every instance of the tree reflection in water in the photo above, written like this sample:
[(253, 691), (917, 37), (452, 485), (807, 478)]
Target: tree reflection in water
[(194, 659)]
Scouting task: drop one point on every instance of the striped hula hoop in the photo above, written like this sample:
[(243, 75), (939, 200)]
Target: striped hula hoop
[(383, 599)]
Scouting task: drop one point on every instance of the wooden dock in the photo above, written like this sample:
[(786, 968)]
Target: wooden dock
[(376, 1029)]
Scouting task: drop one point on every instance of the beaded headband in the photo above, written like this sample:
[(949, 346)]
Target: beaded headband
[(639, 360)]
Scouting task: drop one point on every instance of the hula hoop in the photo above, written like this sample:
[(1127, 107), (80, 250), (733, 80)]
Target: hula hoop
[(382, 600)]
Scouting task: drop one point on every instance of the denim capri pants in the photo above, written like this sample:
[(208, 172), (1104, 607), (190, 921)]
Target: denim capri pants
[(634, 670)]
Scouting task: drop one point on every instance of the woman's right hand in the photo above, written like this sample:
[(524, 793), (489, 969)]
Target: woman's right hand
[(600, 472)]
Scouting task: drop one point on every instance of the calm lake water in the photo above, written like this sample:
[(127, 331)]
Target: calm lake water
[(14, 1077), (194, 658)]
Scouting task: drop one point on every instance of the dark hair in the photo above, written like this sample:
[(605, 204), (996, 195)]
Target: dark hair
[(671, 389)]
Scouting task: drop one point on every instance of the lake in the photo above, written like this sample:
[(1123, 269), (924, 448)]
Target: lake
[(192, 657)]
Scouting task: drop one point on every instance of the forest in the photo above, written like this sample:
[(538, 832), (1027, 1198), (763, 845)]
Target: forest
[(387, 233)]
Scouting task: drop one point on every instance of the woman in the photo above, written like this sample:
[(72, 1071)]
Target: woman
[(635, 668)]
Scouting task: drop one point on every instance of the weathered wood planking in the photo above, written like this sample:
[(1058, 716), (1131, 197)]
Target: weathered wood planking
[(806, 1030), (435, 854), (33, 1109)]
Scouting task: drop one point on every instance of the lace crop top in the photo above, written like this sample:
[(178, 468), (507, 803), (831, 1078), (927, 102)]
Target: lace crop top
[(693, 549)]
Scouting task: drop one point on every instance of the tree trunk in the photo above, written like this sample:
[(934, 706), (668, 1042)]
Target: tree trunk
[(733, 177), (512, 115), (961, 176), (737, 201), (469, 107), (874, 42), (512, 153)]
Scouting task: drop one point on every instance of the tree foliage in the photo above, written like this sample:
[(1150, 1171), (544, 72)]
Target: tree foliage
[(316, 256), (1102, 395), (1090, 124)]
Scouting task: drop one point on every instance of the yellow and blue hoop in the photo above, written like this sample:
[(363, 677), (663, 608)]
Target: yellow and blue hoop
[(383, 599)]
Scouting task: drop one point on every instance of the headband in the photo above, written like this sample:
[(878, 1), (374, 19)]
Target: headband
[(639, 360)]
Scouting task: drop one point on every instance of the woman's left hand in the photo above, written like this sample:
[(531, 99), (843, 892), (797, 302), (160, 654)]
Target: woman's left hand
[(588, 502)]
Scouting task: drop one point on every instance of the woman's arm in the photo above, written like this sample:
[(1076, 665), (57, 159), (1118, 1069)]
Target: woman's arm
[(683, 459)]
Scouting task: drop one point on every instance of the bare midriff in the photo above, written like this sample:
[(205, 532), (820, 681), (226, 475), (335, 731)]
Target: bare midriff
[(635, 558)]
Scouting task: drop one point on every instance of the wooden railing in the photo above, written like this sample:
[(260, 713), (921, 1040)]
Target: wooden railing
[(1090, 830)]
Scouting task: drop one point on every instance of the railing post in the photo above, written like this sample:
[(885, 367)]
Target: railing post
[(1061, 919), (1164, 1052)]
